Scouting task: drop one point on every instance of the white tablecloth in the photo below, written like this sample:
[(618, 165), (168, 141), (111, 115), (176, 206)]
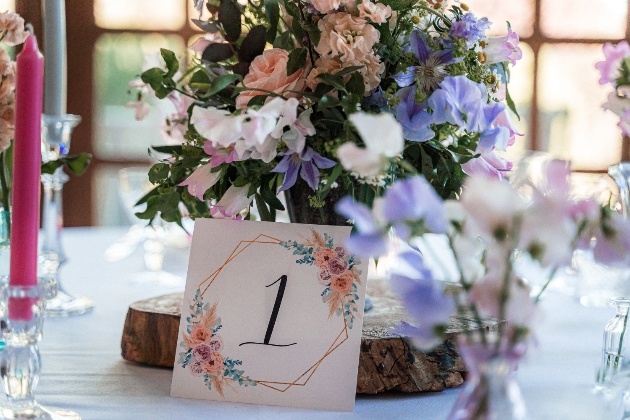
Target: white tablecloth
[(83, 370)]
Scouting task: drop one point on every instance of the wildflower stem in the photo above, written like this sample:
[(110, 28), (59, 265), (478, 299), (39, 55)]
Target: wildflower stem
[(308, 37), (435, 13), (551, 276)]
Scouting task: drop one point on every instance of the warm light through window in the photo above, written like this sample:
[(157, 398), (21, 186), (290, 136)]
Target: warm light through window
[(139, 14), (584, 18)]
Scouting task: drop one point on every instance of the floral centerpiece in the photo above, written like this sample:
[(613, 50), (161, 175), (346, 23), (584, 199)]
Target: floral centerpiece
[(495, 237), (271, 94)]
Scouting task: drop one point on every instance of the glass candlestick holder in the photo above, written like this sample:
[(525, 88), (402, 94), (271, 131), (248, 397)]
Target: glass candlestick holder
[(56, 135), (20, 361)]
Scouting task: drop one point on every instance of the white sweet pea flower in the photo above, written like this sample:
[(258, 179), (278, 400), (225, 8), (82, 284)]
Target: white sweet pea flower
[(217, 125), (200, 180), (233, 202), (383, 138)]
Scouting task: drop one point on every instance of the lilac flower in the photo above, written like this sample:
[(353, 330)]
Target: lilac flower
[(430, 70), (413, 117), (369, 240), (423, 298), (414, 199), (609, 68), (308, 160), (503, 48), (470, 29)]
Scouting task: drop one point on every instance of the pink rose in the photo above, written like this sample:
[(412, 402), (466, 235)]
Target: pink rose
[(342, 283), (337, 266), (215, 364), (346, 36), (202, 353), (199, 334), (196, 369), (216, 343), (341, 251), (323, 256), (324, 277), (268, 71)]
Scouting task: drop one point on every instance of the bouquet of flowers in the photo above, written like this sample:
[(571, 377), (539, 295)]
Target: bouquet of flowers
[(274, 87), (615, 71)]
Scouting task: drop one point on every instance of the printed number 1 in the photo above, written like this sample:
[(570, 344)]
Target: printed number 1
[(274, 314)]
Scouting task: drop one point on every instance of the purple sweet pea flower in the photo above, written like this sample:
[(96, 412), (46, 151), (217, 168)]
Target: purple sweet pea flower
[(308, 160), (413, 117), (470, 29), (414, 199), (370, 237), (423, 299), (461, 102), (430, 70)]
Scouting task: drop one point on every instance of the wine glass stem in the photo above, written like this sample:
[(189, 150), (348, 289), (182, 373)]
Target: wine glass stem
[(53, 214)]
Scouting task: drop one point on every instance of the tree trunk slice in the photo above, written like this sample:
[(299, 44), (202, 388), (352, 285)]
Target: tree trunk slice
[(387, 361)]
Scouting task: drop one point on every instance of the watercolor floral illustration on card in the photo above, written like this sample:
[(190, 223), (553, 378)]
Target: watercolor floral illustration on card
[(203, 347), (337, 272)]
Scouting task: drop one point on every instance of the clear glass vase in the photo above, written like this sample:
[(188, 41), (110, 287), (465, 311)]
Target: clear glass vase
[(616, 349), (491, 391)]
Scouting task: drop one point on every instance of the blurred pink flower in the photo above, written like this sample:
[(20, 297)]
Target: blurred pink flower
[(614, 54), (13, 24), (232, 203)]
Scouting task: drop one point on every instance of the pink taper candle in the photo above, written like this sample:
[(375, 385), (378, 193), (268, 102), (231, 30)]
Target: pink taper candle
[(26, 174)]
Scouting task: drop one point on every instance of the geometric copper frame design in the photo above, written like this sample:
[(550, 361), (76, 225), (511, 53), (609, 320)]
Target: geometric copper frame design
[(303, 379)]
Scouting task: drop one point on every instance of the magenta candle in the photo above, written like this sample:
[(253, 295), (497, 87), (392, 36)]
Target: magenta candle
[(26, 174)]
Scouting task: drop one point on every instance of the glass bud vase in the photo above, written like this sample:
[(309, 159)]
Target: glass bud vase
[(491, 391), (616, 349)]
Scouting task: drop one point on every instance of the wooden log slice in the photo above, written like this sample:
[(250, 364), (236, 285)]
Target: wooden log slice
[(387, 360)]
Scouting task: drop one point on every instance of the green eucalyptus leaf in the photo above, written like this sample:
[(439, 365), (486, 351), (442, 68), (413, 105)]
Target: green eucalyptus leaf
[(171, 150), (284, 41), (217, 52), (158, 172), (332, 80), (172, 64), (206, 26), (241, 68), (230, 18), (253, 45), (297, 60), (263, 210), (222, 82), (348, 70), (272, 12), (356, 85), (258, 100)]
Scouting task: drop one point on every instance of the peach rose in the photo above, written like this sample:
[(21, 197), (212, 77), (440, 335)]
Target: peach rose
[(348, 37), (343, 282), (377, 13), (323, 256), (268, 71), (215, 364), (199, 334)]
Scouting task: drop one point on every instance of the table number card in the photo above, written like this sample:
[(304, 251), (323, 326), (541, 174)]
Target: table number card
[(272, 314)]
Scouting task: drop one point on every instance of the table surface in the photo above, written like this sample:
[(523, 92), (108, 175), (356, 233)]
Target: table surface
[(83, 370)]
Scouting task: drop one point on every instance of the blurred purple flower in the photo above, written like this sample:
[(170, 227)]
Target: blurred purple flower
[(369, 239), (611, 66), (462, 102), (470, 29), (414, 199), (308, 160), (430, 70), (423, 298), (413, 117)]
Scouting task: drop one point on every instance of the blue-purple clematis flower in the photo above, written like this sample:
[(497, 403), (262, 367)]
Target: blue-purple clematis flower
[(413, 117), (430, 70), (308, 160)]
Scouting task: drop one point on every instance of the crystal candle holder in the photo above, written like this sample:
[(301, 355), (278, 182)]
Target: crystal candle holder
[(56, 135), (20, 361)]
